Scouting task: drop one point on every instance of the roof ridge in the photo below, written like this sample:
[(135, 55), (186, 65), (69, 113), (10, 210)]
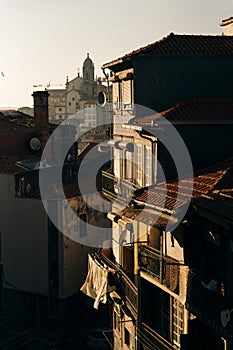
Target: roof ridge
[(224, 46)]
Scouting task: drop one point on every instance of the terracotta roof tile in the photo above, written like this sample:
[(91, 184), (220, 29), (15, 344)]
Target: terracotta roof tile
[(8, 127), (192, 111), (18, 118), (176, 44), (212, 187), (147, 217)]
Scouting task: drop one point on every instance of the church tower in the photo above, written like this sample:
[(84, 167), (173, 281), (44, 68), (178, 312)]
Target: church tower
[(88, 69)]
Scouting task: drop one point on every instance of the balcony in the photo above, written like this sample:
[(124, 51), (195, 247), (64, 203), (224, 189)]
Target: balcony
[(108, 184), (27, 184), (206, 302), (149, 339), (122, 189), (124, 286), (162, 268)]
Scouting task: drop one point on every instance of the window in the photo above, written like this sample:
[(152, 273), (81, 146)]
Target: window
[(69, 103), (117, 94), (60, 109), (178, 310), (73, 99), (148, 166), (138, 164), (128, 165), (119, 97), (127, 97), (117, 162), (127, 337), (116, 322)]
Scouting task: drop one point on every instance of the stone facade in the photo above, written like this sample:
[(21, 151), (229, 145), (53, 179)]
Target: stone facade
[(227, 25), (76, 93)]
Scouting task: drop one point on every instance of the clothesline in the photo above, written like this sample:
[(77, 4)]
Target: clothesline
[(96, 284)]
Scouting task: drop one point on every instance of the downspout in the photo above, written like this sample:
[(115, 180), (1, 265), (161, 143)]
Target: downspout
[(109, 103), (106, 76)]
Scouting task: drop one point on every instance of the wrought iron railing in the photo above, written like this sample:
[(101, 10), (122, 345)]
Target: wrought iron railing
[(151, 340), (108, 183), (165, 269), (125, 286), (151, 262), (121, 188)]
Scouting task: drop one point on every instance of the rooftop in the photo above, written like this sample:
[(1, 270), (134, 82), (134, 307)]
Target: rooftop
[(17, 118), (212, 188), (226, 21), (176, 44), (8, 164), (194, 111)]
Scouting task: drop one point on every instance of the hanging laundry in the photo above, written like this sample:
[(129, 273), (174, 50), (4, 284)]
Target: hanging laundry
[(96, 283)]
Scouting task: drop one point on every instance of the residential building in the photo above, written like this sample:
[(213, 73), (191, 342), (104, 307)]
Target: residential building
[(181, 297), (199, 122), (227, 25), (42, 269), (179, 78), (57, 103), (172, 69)]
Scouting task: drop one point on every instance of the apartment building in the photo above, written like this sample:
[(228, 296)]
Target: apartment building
[(42, 269), (150, 308)]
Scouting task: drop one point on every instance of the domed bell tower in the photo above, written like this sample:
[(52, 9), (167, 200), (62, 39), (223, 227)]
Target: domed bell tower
[(88, 69)]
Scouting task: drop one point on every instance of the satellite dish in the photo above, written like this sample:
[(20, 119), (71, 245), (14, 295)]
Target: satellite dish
[(35, 144), (102, 98)]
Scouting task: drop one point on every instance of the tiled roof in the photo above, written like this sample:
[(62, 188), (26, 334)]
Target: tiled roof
[(144, 216), (212, 188), (176, 44), (7, 126), (18, 118), (194, 111)]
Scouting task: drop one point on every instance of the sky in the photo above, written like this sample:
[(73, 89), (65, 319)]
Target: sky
[(45, 41)]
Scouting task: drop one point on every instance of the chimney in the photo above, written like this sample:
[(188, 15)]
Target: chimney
[(41, 116)]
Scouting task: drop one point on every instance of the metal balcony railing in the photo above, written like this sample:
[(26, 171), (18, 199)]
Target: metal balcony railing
[(108, 184), (151, 262), (124, 286), (165, 269), (151, 340), (121, 188)]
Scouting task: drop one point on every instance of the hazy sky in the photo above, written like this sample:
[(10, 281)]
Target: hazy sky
[(47, 40)]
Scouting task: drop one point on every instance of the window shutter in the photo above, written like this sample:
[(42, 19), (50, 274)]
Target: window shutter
[(127, 91)]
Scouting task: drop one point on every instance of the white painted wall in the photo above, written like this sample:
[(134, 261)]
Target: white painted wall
[(228, 29), (23, 227)]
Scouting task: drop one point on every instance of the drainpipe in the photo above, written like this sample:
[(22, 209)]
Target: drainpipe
[(106, 76), (225, 346), (161, 252), (110, 107), (138, 284)]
